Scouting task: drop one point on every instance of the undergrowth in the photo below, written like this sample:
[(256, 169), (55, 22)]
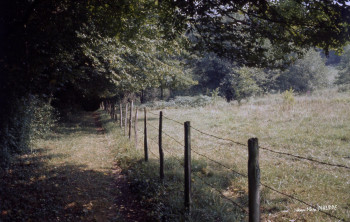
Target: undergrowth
[(32, 118)]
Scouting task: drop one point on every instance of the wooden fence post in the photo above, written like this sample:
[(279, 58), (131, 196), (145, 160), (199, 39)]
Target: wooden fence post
[(161, 154), (135, 125), (121, 115), (253, 180), (130, 118), (126, 119), (188, 166), (145, 136)]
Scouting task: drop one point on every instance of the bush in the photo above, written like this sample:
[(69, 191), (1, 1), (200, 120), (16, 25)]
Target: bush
[(343, 78), (306, 74), (288, 97), (183, 101), (32, 118), (344, 88), (239, 85)]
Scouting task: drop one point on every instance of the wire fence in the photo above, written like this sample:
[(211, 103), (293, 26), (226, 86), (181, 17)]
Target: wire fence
[(261, 147), (246, 176), (239, 173)]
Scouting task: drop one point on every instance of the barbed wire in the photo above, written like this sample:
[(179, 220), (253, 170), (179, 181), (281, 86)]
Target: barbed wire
[(217, 137), (175, 121), (262, 184), (167, 151), (269, 187), (221, 194), (152, 113), (270, 150), (153, 154), (178, 122), (301, 201), (241, 174), (154, 127), (165, 133), (304, 158)]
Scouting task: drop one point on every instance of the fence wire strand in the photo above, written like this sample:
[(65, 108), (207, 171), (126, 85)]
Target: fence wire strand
[(221, 194), (175, 121), (246, 176), (301, 201), (304, 158), (165, 133), (153, 154), (264, 148), (241, 174)]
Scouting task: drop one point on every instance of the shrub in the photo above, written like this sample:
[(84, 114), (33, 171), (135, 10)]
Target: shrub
[(32, 118), (306, 74), (343, 77), (183, 101), (288, 97), (239, 84)]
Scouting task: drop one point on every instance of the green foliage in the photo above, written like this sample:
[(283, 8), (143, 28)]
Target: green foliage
[(306, 74), (209, 71), (239, 29), (184, 101), (32, 119), (239, 84), (215, 94), (343, 78)]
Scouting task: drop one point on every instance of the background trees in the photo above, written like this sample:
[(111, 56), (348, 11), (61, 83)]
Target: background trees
[(343, 77)]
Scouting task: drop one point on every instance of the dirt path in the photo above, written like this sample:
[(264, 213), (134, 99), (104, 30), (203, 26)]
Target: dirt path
[(127, 203), (71, 176)]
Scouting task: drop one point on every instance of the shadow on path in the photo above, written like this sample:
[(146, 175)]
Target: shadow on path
[(31, 192)]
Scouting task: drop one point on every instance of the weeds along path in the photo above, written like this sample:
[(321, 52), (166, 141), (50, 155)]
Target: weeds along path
[(71, 176)]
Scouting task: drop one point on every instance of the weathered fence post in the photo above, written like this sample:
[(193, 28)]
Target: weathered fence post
[(253, 180), (161, 154), (130, 118), (121, 115), (135, 125), (188, 166), (126, 119), (145, 136)]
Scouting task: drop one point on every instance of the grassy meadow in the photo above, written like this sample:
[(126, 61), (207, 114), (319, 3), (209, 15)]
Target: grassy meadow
[(314, 126)]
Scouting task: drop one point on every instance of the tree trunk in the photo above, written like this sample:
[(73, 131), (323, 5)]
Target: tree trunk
[(142, 97), (161, 92)]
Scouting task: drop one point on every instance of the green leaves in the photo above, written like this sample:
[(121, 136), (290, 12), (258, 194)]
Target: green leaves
[(236, 29)]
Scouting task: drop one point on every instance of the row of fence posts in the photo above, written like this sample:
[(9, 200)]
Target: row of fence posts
[(125, 121), (253, 158)]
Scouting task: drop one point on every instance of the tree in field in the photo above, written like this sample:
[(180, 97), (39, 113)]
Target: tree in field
[(239, 84), (343, 77), (210, 70), (306, 74)]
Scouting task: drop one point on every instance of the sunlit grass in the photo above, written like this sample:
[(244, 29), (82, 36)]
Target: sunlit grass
[(316, 126)]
